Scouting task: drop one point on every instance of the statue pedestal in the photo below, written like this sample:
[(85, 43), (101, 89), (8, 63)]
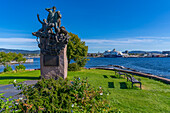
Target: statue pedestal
[(54, 66)]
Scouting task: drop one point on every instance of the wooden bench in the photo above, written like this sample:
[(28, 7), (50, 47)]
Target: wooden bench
[(133, 80), (120, 73)]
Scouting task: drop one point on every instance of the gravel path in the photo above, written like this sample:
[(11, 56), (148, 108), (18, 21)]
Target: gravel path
[(9, 90)]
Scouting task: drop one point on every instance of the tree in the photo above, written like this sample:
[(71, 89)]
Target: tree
[(7, 58), (76, 50), (19, 58)]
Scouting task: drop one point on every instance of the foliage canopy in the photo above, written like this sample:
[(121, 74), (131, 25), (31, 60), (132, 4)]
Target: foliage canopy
[(7, 58), (77, 50)]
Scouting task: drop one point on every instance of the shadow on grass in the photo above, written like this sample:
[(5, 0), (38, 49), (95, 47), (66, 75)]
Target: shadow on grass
[(123, 85), (105, 76), (111, 85), (113, 76), (13, 77)]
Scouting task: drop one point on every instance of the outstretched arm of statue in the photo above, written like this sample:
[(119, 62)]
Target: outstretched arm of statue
[(48, 9), (39, 19), (59, 14)]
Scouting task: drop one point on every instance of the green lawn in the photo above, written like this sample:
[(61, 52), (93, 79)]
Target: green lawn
[(5, 78), (153, 98)]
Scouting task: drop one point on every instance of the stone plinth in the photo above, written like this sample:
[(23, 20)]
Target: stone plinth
[(55, 69)]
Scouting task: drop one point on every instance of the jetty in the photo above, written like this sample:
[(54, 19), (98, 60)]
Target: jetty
[(151, 76)]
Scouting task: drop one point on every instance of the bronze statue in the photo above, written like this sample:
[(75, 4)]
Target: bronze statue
[(51, 42), (54, 17), (46, 27)]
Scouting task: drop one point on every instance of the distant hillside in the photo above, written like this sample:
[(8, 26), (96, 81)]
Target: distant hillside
[(158, 52), (19, 51), (137, 52), (143, 52)]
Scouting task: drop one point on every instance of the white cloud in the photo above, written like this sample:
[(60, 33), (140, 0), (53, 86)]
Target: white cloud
[(18, 43), (129, 40), (137, 43), (140, 43), (118, 41), (18, 40)]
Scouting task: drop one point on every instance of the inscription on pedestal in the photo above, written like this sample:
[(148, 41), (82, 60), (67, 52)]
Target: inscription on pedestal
[(51, 60)]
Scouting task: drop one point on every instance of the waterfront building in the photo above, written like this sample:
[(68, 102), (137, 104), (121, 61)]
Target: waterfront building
[(156, 55), (113, 53), (166, 52)]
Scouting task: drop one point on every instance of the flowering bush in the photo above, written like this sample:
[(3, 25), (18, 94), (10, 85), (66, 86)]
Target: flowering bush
[(62, 96)]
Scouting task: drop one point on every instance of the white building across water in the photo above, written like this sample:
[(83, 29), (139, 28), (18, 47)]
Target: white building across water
[(113, 53)]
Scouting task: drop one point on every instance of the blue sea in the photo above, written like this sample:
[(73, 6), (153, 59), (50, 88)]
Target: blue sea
[(156, 66)]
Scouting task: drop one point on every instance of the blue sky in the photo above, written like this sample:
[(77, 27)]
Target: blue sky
[(102, 24)]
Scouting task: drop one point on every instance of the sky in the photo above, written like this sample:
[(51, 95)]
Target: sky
[(102, 24)]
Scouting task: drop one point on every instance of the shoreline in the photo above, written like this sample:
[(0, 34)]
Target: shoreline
[(129, 57), (150, 76), (122, 69)]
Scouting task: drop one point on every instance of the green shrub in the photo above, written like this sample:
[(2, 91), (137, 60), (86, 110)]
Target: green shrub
[(82, 61), (20, 67), (73, 67), (7, 104), (63, 96), (8, 68)]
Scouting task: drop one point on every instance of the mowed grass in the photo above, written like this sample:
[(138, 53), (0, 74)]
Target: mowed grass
[(153, 98), (5, 78)]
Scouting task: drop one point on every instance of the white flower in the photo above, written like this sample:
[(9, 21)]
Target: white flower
[(20, 98), (108, 94), (15, 81), (101, 93), (72, 105)]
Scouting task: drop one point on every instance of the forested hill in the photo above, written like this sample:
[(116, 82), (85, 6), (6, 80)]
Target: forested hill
[(20, 51)]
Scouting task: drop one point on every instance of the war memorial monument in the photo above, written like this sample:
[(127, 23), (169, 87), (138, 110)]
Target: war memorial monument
[(52, 40)]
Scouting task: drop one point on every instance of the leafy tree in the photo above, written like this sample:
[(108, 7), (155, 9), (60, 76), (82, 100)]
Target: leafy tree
[(82, 61), (19, 58), (7, 58), (76, 50)]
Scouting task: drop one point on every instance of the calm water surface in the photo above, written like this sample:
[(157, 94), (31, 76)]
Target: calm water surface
[(156, 66)]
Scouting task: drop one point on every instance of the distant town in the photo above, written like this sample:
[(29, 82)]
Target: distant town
[(108, 53), (130, 54)]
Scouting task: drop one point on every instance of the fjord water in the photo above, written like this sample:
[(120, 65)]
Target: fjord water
[(156, 66)]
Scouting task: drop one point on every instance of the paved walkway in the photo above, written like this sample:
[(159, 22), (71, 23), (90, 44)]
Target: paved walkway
[(10, 90)]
